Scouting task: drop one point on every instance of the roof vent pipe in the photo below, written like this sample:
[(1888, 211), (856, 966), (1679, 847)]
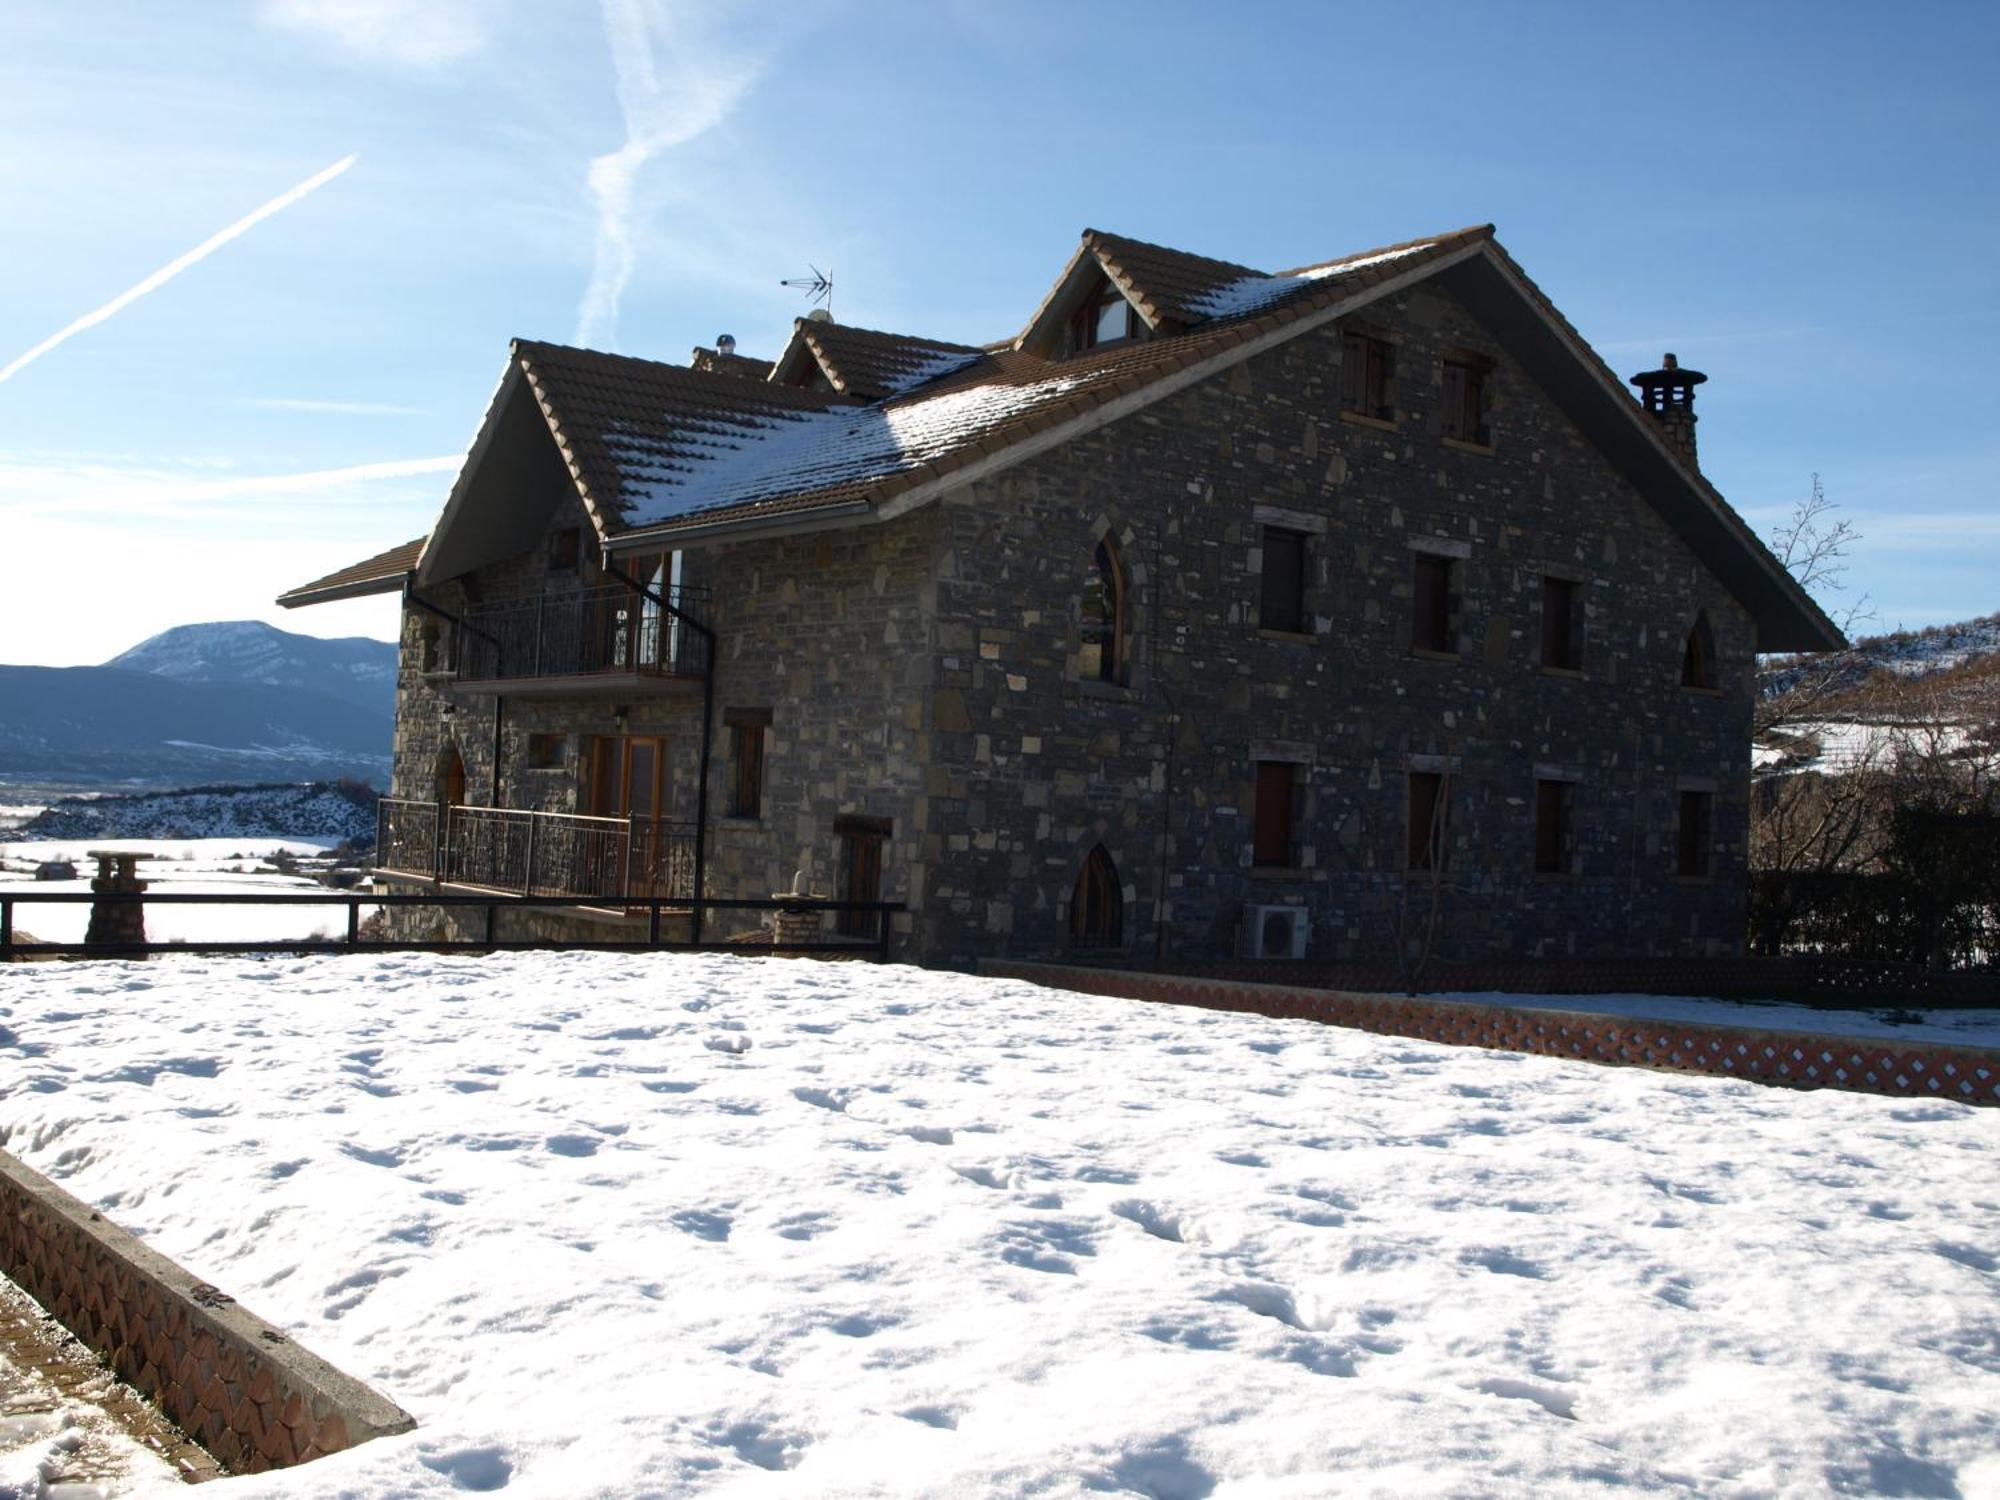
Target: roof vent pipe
[(725, 344), (1668, 396)]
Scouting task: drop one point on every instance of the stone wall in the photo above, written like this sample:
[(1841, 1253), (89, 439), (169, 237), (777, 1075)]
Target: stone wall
[(227, 1378), (1160, 768), (1787, 1059)]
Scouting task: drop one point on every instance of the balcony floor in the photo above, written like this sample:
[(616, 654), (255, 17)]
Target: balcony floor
[(621, 685)]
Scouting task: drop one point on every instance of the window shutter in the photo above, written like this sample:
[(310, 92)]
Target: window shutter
[(1273, 842)]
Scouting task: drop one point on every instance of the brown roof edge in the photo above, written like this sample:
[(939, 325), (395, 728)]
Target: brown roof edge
[(384, 573), (1831, 637)]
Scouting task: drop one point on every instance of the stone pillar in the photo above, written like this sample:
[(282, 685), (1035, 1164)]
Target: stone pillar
[(794, 925), (117, 921)]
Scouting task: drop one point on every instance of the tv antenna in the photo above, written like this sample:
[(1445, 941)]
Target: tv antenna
[(818, 287)]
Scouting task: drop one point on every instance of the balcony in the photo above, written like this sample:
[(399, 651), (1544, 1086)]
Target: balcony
[(610, 640), (598, 861)]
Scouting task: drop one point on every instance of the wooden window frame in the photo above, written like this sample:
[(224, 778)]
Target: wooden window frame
[(1465, 389), (565, 550), (1698, 665), (1562, 624), (1555, 827), (1367, 376), (1106, 562), (1097, 903), (863, 847), (1694, 834), (1274, 821), (1083, 335), (1426, 802), (1279, 615), (747, 752), (1444, 569)]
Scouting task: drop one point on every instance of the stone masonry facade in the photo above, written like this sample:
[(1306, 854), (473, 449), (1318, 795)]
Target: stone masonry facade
[(926, 674)]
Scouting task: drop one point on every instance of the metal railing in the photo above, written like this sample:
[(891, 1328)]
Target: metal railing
[(608, 628), (16, 946), (574, 855)]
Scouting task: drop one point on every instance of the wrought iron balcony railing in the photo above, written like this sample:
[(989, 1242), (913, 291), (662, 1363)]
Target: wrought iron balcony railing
[(607, 629), (595, 860)]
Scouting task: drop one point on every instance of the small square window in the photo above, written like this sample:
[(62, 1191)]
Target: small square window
[(1464, 399), (1367, 370), (1555, 803), (546, 752), (1283, 602), (564, 548), (1272, 845), (1428, 815), (1562, 626), (1430, 623), (1696, 835)]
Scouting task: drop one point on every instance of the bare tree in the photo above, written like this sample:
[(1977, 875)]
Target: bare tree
[(1814, 545)]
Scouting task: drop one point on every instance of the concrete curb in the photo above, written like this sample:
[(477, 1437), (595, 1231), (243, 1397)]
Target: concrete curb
[(1784, 1059), (227, 1378)]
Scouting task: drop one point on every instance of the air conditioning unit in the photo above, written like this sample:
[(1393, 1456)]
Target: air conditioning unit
[(1275, 931)]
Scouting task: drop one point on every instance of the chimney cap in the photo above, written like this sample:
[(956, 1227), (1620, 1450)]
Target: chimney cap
[(725, 343), (1670, 376)]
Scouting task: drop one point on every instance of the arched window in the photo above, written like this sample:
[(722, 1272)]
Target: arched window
[(1103, 633), (1698, 661), (1096, 909)]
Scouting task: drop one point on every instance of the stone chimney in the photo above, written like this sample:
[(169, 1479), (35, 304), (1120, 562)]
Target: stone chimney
[(1668, 394)]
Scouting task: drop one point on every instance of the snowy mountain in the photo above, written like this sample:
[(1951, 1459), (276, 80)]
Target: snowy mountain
[(84, 725), (356, 669)]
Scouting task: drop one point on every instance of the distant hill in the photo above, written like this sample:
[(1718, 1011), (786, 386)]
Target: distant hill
[(105, 724), (321, 809), (1961, 660), (355, 669)]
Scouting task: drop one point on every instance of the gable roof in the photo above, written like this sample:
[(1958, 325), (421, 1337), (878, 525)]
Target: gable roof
[(664, 454), (384, 573), (661, 450), (866, 363)]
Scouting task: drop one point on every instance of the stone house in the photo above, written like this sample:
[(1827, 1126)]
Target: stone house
[(1218, 613)]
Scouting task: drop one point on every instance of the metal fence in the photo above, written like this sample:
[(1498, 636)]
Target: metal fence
[(537, 853), (607, 628), (354, 939)]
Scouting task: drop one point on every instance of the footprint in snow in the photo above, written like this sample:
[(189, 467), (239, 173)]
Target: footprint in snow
[(1156, 1221), (571, 1145), (930, 1135), (731, 1042), (1556, 1402), (1504, 1263), (703, 1224), (942, 1417), (756, 1443), (834, 1100), (472, 1468)]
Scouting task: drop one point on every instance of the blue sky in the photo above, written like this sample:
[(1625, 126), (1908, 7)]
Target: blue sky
[(1794, 198)]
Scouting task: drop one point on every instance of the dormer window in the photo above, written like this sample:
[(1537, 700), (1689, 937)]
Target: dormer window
[(1106, 318)]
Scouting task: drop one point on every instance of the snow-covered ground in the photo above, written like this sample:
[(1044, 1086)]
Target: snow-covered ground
[(221, 866), (697, 1224), (1962, 1028)]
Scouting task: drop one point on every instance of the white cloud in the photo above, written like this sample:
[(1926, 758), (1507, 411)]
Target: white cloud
[(174, 267), (675, 81), (405, 33), (140, 495)]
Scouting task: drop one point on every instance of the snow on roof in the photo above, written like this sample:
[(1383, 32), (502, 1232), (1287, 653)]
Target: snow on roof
[(1251, 294), (787, 452)]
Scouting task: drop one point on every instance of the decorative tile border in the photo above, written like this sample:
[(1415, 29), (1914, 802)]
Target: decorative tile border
[(1787, 1059), (227, 1378)]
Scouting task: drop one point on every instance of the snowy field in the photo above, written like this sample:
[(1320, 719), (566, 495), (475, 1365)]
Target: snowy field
[(708, 1225), (221, 866)]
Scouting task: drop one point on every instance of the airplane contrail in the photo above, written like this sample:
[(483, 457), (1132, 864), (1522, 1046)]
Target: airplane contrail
[(174, 268)]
